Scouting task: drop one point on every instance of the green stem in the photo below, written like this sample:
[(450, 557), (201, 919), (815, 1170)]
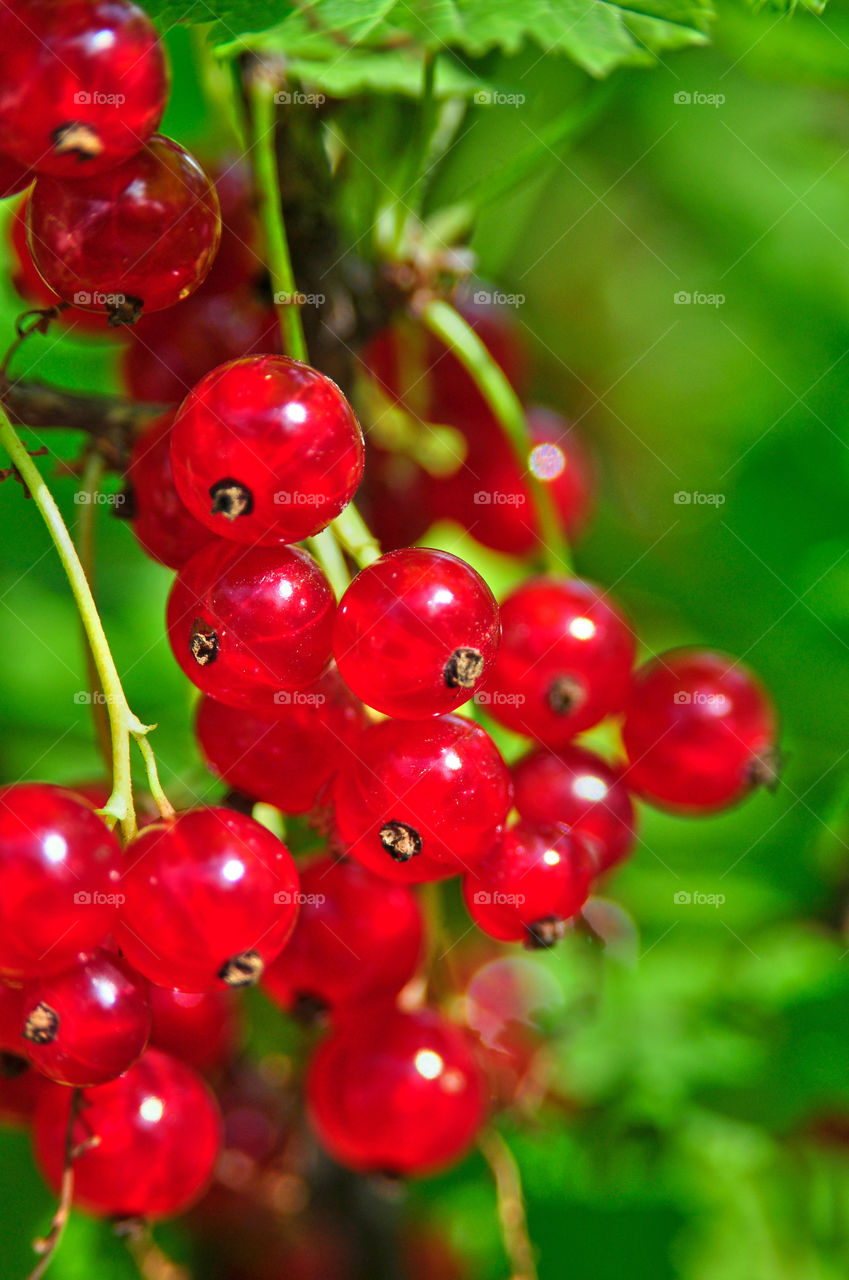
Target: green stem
[(353, 534), (264, 157), (90, 481), (328, 553), (446, 323)]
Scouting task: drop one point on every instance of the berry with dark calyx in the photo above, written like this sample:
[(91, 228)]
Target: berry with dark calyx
[(531, 883), (146, 1143), (59, 874), (163, 526), (699, 731), (417, 796), (358, 939), (210, 898), (565, 660), (84, 84), (136, 239), (246, 624), (199, 1028), (416, 632), (266, 449), (286, 760), (576, 788), (14, 178), (88, 1024), (396, 1093)]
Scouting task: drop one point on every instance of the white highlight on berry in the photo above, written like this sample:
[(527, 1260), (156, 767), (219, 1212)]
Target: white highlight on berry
[(429, 1064), (582, 628), (589, 787), (152, 1109)]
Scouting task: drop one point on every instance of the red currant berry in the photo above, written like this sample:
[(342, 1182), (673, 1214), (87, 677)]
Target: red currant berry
[(397, 1093), (32, 288), (358, 938), (699, 731), (395, 498), (289, 760), (142, 236), (84, 84), (165, 529), (21, 1088), (415, 633), (158, 1134), (266, 449), (529, 885), (416, 793), (13, 177), (59, 873), (11, 1016), (248, 623), (575, 788), (201, 1028), (210, 898), (88, 1024), (239, 262), (565, 660)]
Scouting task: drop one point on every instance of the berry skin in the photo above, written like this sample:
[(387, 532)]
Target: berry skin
[(88, 1024), (84, 84), (59, 873), (564, 663), (163, 527), (138, 238), (246, 624), (395, 498), (32, 288), (158, 1131), (415, 633), (358, 938), (529, 884), (699, 731), (266, 449), (418, 797), (211, 898), (200, 1028), (575, 788), (287, 760), (13, 177), (396, 1093)]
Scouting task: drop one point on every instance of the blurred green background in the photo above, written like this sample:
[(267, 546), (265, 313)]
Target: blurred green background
[(701, 1061)]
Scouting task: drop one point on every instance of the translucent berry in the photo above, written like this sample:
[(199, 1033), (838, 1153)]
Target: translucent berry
[(32, 288), (164, 527), (416, 632), (396, 1093), (158, 1134), (395, 498), (246, 624), (200, 1028), (210, 898), (699, 732), (14, 178)]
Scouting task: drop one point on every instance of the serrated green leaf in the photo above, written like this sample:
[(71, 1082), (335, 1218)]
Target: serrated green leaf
[(395, 72)]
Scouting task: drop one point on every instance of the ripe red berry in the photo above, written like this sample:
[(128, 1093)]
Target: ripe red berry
[(32, 288), (239, 263), (416, 632), (266, 449), (165, 529), (210, 898), (140, 237), (246, 624), (397, 1093), (699, 731), (13, 177), (416, 796), (87, 1024), (59, 873), (84, 84), (158, 1132), (564, 663), (201, 1028), (576, 788), (395, 498), (530, 883), (358, 938), (287, 760)]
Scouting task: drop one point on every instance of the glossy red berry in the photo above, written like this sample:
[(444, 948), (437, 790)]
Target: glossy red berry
[(59, 874), (32, 288), (529, 885), (138, 238), (87, 1024), (239, 263), (564, 663), (395, 498), (14, 178), (247, 624), (200, 1028), (358, 939), (397, 1093), (699, 732), (21, 1088), (84, 84), (289, 759), (416, 632), (164, 527), (418, 796), (158, 1131), (266, 449), (575, 788), (210, 898)]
